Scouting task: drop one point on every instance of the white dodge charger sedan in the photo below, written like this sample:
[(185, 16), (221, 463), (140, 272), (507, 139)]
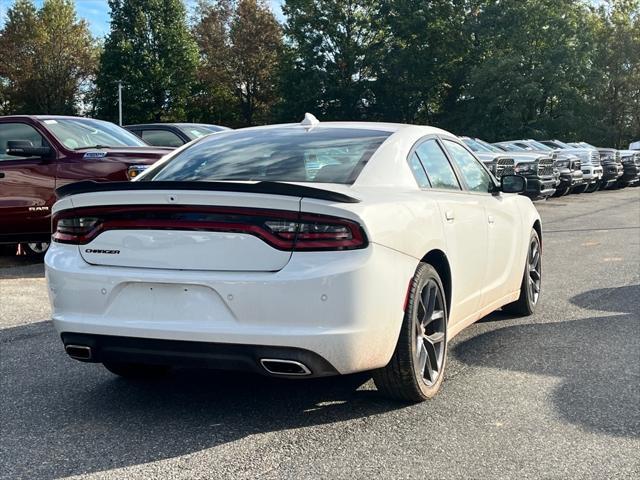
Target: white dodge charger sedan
[(300, 250)]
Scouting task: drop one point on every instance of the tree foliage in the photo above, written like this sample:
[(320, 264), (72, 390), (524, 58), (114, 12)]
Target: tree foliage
[(151, 50), (527, 70), (614, 86), (240, 44), (47, 58), (423, 60), (493, 68), (331, 62)]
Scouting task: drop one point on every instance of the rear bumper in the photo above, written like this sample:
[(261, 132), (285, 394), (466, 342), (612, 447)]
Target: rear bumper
[(221, 356), (346, 307)]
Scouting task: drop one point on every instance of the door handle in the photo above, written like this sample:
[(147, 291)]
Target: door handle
[(491, 219), (449, 215), (1, 174)]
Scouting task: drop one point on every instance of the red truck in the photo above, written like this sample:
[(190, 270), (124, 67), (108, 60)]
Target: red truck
[(39, 153)]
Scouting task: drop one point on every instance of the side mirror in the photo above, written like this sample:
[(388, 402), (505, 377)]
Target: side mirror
[(513, 184), (24, 148)]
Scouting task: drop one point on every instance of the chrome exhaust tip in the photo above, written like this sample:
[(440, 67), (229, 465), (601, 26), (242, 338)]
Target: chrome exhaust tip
[(78, 352), (277, 366)]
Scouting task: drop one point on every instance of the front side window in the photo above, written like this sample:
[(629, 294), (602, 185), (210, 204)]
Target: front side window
[(475, 176), (81, 133), (286, 154), (18, 131), (437, 166), (161, 138)]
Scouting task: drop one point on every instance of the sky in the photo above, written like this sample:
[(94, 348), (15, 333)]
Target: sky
[(96, 12)]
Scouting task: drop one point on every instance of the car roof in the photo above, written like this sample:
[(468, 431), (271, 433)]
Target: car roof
[(175, 124), (53, 117), (380, 126)]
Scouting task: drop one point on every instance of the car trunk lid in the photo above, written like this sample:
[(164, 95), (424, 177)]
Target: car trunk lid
[(145, 225)]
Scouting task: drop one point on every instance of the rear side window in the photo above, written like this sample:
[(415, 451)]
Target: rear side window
[(161, 138), (287, 154), (18, 131), (437, 166), (418, 171)]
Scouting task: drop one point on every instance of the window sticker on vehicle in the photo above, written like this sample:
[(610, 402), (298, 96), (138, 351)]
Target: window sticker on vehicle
[(50, 122), (95, 155)]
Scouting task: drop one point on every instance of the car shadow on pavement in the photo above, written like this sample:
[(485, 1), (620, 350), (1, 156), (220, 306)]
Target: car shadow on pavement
[(61, 417), (597, 359)]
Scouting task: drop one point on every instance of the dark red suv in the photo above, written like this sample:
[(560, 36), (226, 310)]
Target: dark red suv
[(41, 153)]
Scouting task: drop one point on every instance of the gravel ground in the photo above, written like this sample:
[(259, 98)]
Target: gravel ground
[(555, 395)]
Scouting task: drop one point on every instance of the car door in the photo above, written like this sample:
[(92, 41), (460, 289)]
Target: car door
[(464, 227), (502, 220), (26, 186)]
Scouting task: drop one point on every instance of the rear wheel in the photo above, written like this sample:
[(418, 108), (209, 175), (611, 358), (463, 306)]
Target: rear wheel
[(531, 280), (136, 370), (416, 369), (35, 249)]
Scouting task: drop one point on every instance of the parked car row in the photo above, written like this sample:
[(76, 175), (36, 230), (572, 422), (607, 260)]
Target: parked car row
[(576, 167), (41, 153)]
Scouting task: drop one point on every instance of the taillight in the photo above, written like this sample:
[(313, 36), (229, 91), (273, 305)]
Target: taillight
[(318, 232), (283, 230), (75, 229)]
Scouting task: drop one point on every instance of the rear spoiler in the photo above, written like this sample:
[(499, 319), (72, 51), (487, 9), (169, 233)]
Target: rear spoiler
[(271, 188)]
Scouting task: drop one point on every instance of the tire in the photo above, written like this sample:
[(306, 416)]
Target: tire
[(531, 280), (580, 188), (560, 191), (416, 369), (136, 370), (35, 249), (592, 187)]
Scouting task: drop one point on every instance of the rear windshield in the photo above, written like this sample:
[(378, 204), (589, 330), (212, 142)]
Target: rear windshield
[(288, 154)]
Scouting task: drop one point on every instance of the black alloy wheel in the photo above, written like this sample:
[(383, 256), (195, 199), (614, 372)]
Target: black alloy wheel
[(531, 285), (416, 369)]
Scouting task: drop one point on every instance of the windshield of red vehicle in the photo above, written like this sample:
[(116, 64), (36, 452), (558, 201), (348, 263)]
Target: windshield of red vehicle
[(287, 154), (79, 133)]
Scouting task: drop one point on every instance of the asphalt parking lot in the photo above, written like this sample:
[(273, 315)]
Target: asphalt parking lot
[(555, 395)]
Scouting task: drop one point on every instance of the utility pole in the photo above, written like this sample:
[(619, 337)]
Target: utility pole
[(120, 102)]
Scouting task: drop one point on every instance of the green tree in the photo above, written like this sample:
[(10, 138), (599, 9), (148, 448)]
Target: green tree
[(240, 44), (526, 73), (47, 58), (213, 99), (151, 50), (256, 43), (423, 58), (614, 83), (330, 65)]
